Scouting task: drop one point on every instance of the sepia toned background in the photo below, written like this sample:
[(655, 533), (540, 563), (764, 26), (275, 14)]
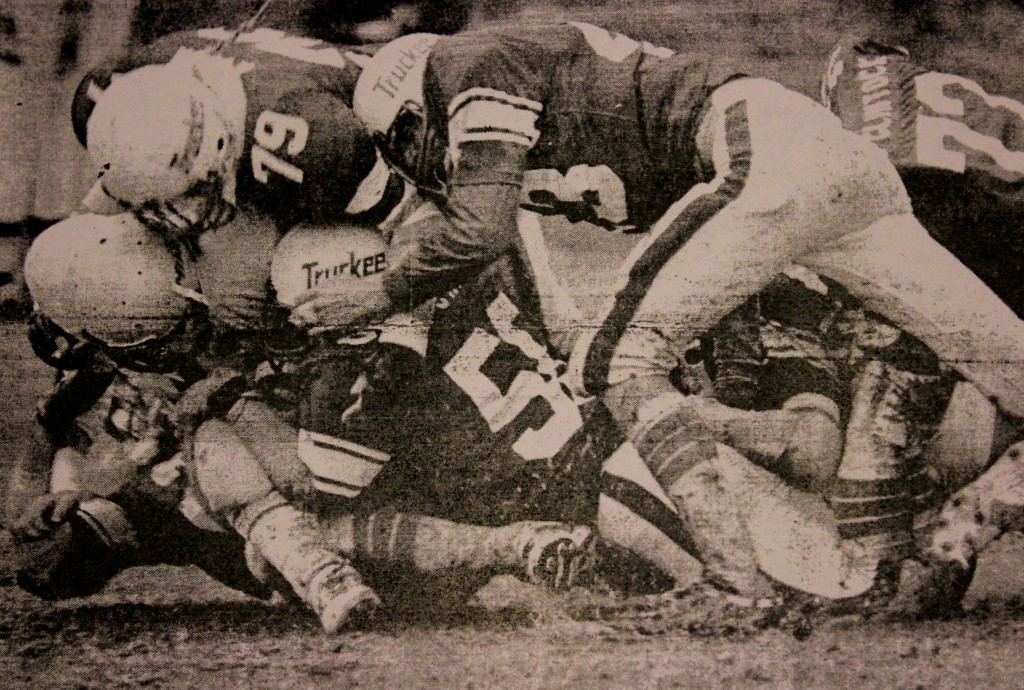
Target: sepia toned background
[(166, 627)]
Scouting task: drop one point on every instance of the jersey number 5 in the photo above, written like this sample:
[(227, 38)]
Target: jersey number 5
[(935, 134), (274, 131), (499, 409)]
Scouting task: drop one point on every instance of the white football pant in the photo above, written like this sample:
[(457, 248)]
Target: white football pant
[(791, 186)]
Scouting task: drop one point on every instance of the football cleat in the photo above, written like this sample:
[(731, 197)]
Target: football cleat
[(967, 524), (934, 588), (289, 540), (554, 554), (351, 605)]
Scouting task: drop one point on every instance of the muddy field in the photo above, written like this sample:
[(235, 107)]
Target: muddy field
[(174, 628)]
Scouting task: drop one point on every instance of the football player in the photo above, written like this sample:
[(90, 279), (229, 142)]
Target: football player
[(487, 424), (295, 90), (707, 164), (228, 139), (225, 486), (93, 490), (201, 123), (114, 299), (960, 152)]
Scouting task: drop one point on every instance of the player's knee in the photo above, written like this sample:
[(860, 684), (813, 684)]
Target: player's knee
[(626, 399), (227, 473)]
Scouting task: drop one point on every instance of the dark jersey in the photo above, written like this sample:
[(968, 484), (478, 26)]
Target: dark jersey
[(511, 440), (610, 121), (304, 155), (481, 429), (959, 150), (582, 98)]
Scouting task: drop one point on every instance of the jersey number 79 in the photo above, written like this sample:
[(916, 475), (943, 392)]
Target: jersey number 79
[(275, 131)]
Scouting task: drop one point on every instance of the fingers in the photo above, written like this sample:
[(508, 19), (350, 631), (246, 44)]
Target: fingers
[(66, 502), (37, 519), (305, 315), (43, 514)]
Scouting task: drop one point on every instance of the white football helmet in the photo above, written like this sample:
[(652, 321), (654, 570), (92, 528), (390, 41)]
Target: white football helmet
[(388, 98), (166, 138), (107, 276), (326, 258)]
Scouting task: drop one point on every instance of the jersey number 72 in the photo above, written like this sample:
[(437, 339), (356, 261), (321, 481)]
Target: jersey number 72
[(965, 131)]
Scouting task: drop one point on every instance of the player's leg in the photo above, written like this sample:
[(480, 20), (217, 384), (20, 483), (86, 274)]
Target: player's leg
[(969, 521), (825, 199), (547, 553), (901, 273), (881, 482), (298, 464), (904, 275), (235, 487)]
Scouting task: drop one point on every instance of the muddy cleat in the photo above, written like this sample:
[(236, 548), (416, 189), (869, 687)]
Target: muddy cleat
[(288, 540), (968, 522), (554, 554), (875, 601), (352, 606), (933, 589)]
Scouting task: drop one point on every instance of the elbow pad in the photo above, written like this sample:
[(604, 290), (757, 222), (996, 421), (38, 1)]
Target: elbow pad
[(489, 162)]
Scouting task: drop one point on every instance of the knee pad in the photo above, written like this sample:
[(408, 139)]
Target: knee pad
[(227, 473)]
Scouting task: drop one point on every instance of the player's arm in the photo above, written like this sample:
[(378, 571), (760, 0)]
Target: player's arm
[(86, 541), (475, 93)]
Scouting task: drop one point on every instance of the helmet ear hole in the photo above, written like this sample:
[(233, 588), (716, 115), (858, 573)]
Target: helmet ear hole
[(391, 83)]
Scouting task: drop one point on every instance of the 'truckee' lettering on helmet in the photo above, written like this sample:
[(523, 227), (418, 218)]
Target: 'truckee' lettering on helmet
[(406, 62), (355, 267)]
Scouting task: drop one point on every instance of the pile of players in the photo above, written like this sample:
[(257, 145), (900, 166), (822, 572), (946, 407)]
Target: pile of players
[(310, 338)]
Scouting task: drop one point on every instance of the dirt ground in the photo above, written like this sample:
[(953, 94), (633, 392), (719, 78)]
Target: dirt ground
[(175, 628)]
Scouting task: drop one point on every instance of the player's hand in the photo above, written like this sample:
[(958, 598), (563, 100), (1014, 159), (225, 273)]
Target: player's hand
[(196, 402), (46, 513), (364, 303)]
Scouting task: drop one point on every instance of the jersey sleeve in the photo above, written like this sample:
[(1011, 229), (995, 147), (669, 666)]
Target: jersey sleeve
[(870, 87), (350, 415), (485, 102), (477, 88), (926, 120)]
